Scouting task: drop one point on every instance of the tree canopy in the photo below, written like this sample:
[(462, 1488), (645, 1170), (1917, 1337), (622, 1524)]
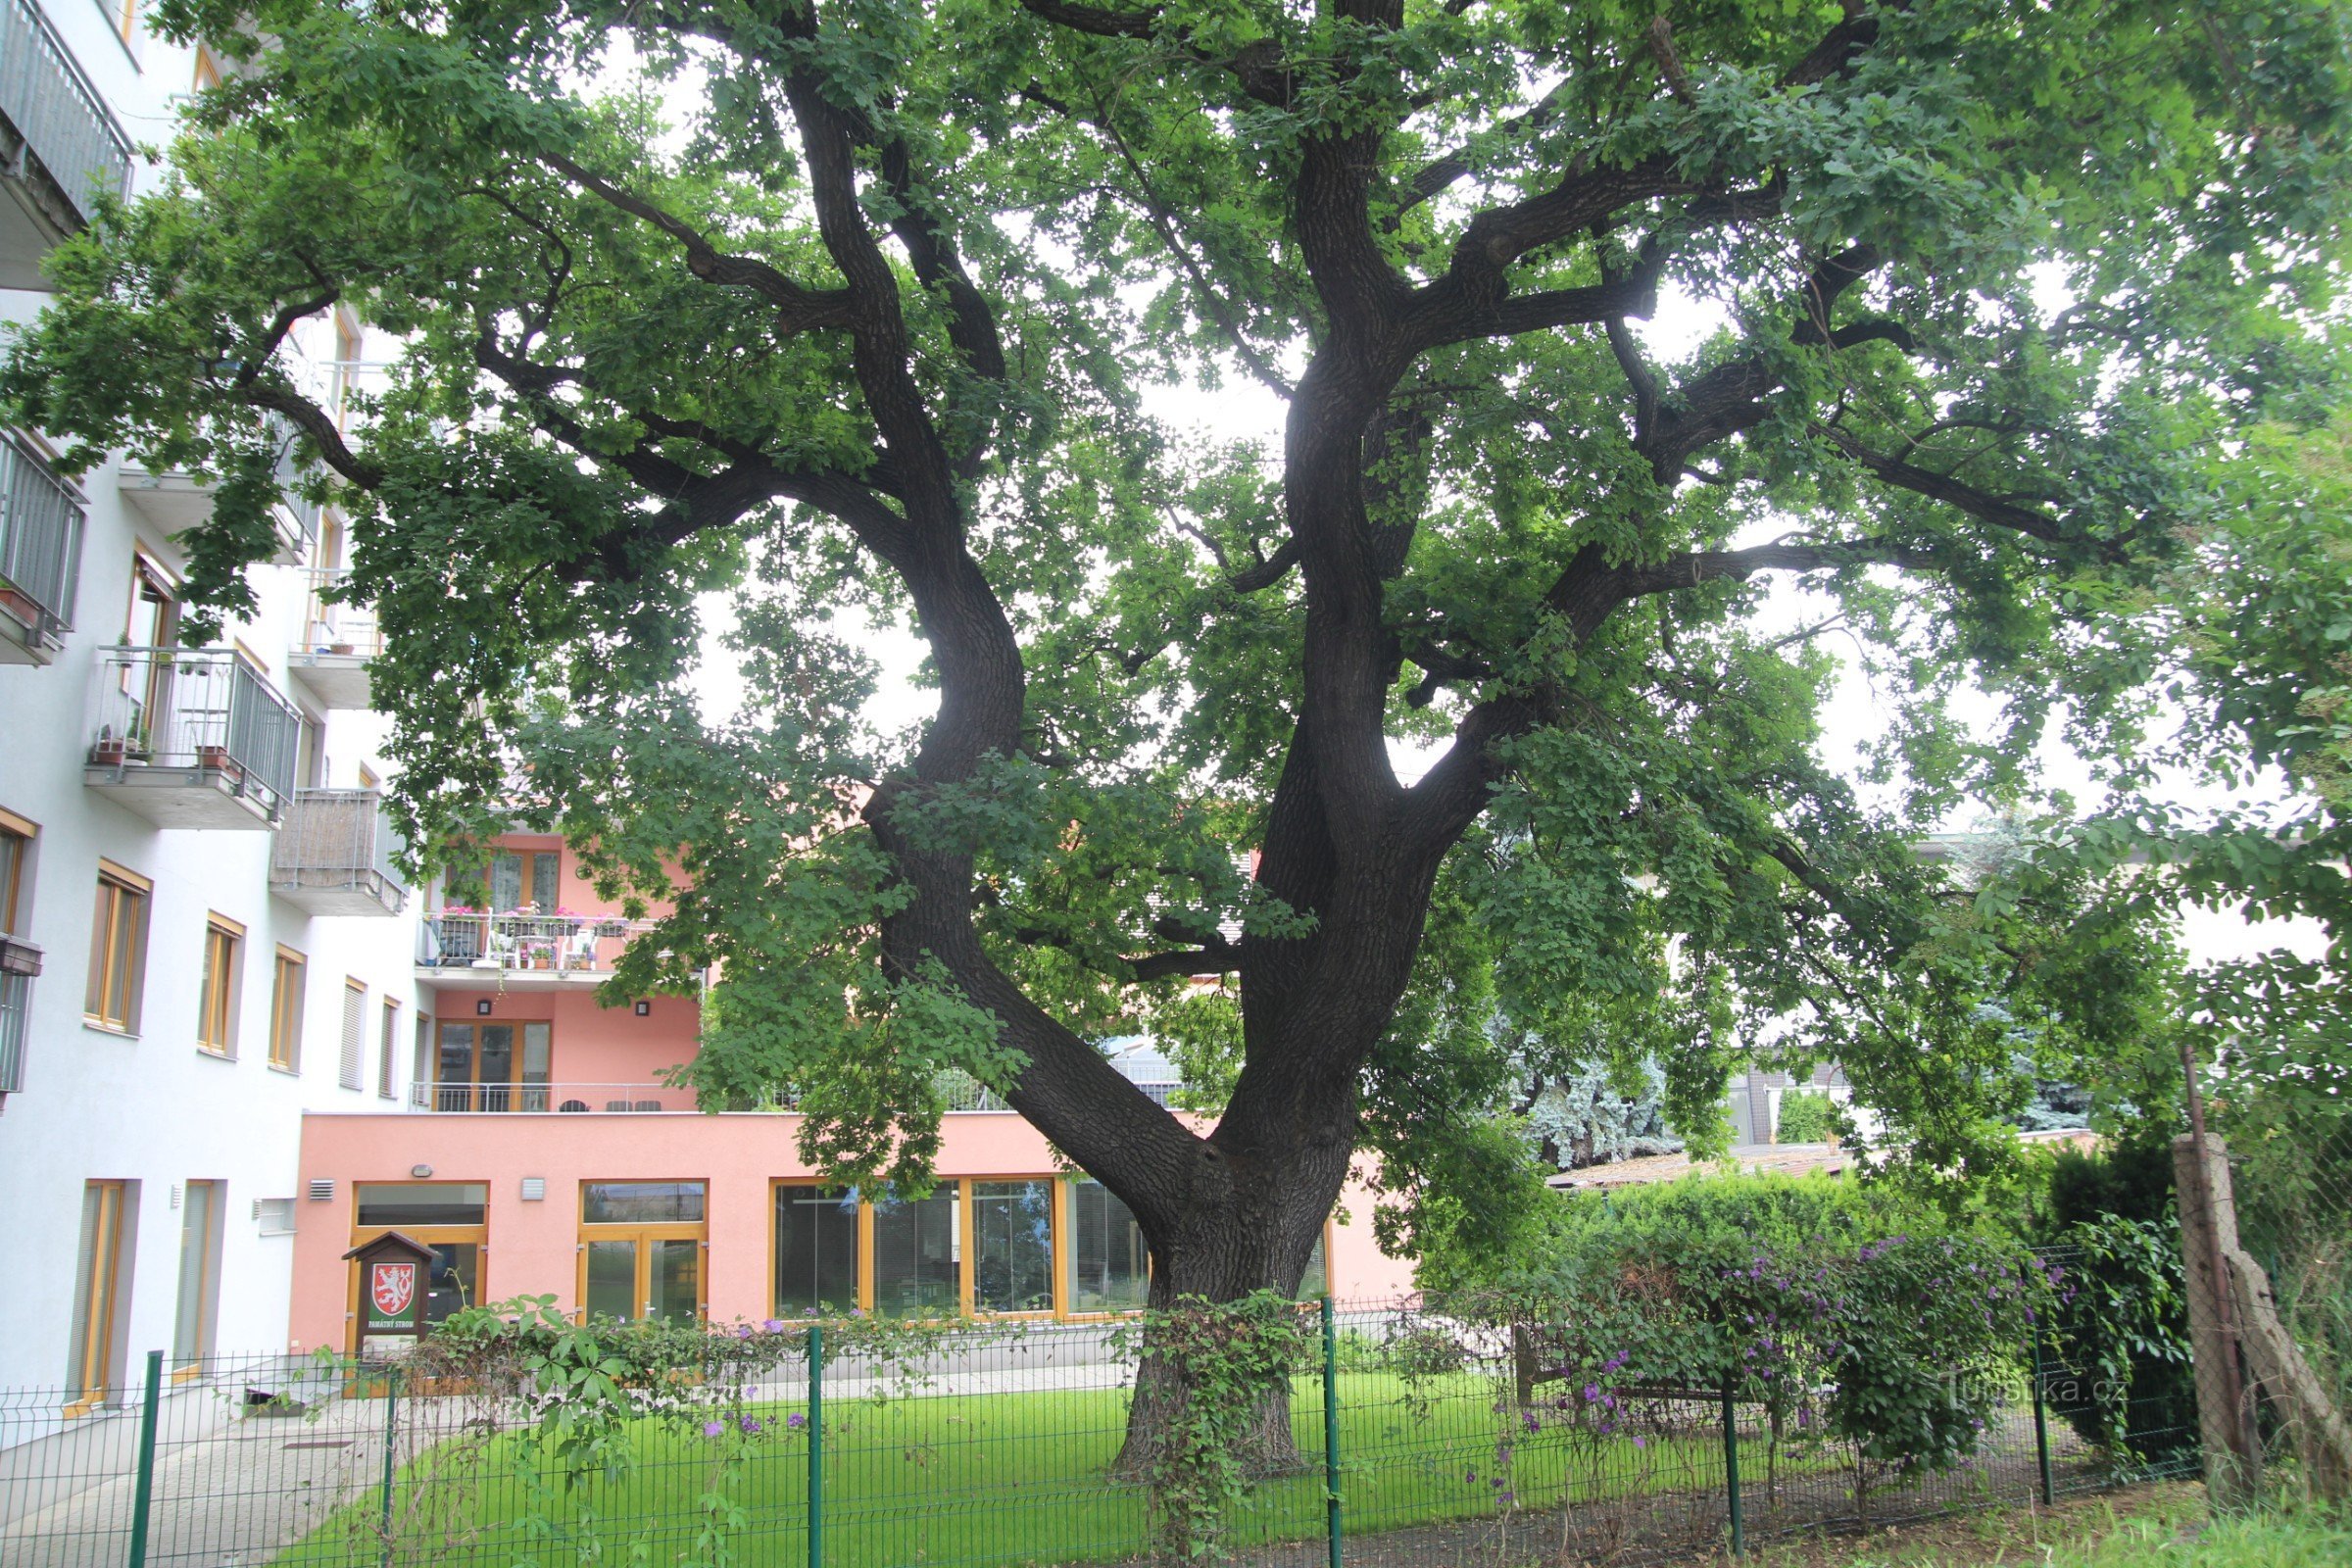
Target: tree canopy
[(865, 310)]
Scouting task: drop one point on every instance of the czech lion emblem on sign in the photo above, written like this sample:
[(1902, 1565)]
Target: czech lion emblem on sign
[(391, 1288)]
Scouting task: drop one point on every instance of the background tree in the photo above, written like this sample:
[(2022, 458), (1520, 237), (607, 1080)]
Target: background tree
[(852, 308)]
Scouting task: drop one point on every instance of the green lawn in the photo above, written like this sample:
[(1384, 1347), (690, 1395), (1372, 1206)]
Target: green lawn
[(1017, 1477)]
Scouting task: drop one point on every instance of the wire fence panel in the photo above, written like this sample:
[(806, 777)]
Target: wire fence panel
[(1408, 1438)]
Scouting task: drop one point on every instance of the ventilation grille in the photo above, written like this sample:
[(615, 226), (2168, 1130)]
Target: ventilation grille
[(322, 1189), (534, 1188), (274, 1215)]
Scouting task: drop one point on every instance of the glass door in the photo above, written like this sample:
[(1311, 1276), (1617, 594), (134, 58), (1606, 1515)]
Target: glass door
[(641, 1251), (96, 1290), (493, 1067)]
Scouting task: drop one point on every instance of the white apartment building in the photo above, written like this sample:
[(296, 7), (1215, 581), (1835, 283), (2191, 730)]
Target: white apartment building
[(205, 936)]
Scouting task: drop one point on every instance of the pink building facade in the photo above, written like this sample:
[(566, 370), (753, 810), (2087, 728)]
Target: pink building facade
[(538, 1153)]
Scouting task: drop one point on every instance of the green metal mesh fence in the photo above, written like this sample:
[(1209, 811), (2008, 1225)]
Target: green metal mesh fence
[(1000, 1444)]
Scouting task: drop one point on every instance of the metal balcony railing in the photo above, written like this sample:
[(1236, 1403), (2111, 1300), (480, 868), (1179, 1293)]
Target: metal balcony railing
[(457, 1095), (328, 627), (40, 544), (57, 114), (196, 708), (339, 839), (963, 1093), (573, 944)]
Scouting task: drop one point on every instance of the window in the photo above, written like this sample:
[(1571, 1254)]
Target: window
[(217, 997), (125, 15), (286, 1011), (420, 1062), (199, 1273), (386, 1044), (450, 1217), (109, 1211), (208, 68), (918, 1252), (1013, 1247), (816, 1250), (510, 880), (1109, 1264), (16, 855), (353, 1057), (118, 948), (641, 1250), (493, 1067)]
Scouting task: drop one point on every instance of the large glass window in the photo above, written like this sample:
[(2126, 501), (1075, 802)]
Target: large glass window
[(408, 1205), (917, 1251), (1013, 1247), (109, 1215), (1109, 1265), (641, 1203), (816, 1250)]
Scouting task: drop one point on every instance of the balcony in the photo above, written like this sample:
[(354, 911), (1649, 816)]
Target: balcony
[(174, 501), (191, 738), (335, 854), (41, 557), (337, 643), (528, 1099), (59, 147), (521, 948)]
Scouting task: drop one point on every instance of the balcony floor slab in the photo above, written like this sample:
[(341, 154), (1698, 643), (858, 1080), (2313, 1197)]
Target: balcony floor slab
[(339, 681), (181, 797), (337, 893)]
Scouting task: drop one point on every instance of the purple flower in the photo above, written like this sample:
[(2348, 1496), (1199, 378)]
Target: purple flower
[(1591, 1392), (1527, 1419), (1640, 1441), (713, 1428), (751, 1427), (857, 1311), (742, 1330), (774, 1324), (796, 1420)]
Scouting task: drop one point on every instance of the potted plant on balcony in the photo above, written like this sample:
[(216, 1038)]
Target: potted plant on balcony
[(109, 749), (218, 759)]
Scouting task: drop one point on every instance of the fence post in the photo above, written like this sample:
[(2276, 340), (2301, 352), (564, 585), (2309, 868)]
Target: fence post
[(1331, 1430), (816, 1445), (391, 1448), (1731, 1471), (2041, 1425), (142, 1499)]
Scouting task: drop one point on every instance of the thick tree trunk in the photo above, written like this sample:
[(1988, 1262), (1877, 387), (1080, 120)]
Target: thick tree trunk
[(1258, 1236)]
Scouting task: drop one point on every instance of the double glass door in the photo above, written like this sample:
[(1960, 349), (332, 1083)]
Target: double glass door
[(493, 1067), (644, 1274), (641, 1250)]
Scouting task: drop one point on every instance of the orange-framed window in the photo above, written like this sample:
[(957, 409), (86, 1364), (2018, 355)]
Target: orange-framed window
[(17, 835), (451, 1218), (285, 1009), (643, 1246), (221, 981), (108, 1209), (118, 948)]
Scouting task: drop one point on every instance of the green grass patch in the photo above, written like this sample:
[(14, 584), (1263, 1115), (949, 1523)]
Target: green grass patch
[(1004, 1478)]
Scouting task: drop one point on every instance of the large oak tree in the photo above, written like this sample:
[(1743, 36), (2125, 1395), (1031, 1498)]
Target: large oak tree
[(868, 310)]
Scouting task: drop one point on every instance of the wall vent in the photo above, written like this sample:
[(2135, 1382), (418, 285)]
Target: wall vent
[(534, 1188), (322, 1189)]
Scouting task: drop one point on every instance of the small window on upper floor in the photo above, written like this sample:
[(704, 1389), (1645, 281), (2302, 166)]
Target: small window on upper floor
[(208, 68), (16, 858)]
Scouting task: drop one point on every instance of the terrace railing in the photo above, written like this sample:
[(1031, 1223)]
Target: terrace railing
[(195, 708), (56, 114), (328, 627), (40, 545), (460, 1095), (566, 943)]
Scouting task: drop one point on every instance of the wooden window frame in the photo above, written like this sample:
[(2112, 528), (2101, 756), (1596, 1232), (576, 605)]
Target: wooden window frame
[(116, 955), (475, 1235), (207, 1283), (286, 1011), (27, 833), (222, 987), (100, 1292), (387, 1048)]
